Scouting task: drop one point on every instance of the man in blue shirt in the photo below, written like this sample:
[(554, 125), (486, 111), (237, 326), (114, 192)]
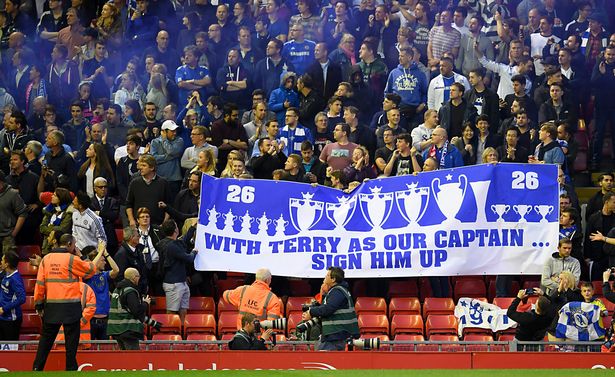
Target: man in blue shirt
[(167, 149), (445, 153), (191, 76), (299, 51), (100, 285), (12, 296)]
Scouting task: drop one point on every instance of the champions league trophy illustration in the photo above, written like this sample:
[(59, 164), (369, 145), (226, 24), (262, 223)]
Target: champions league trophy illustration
[(340, 213), (229, 220), (263, 224), (213, 217), (522, 210), (449, 196), (246, 223), (412, 203), (280, 226), (308, 212), (500, 210), (376, 207), (544, 210)]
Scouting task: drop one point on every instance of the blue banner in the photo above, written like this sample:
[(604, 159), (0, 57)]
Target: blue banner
[(484, 219)]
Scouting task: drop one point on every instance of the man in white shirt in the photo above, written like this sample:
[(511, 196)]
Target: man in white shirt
[(88, 228)]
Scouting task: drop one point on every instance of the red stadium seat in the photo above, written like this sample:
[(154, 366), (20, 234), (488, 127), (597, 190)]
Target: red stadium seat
[(204, 347), (404, 305), (167, 337), (597, 287), (31, 324), (159, 305), (293, 320), (28, 306), (425, 289), (202, 305), (171, 324), (506, 337), (444, 338), (407, 337), (370, 305), (406, 324), (373, 324), (27, 270), (199, 323), (503, 302), (441, 347), (293, 304), (227, 323), (26, 251), (224, 285), (224, 306), (119, 233), (226, 338), (441, 324), (436, 305), (403, 288), (29, 285), (478, 338), (470, 288), (299, 287)]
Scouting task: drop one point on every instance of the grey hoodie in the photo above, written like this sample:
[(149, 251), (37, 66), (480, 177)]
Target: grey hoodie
[(554, 266)]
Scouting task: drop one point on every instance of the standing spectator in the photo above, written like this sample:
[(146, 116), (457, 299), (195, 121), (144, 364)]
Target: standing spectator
[(315, 170), (602, 221), (107, 207), (484, 99), (405, 159), (130, 255), (298, 50), (338, 155), (308, 19), (12, 296), (511, 150), (57, 217), (269, 159), (13, 211), (25, 182), (63, 77), (227, 134), (594, 204), (439, 88), (146, 191), (410, 83), (96, 165), (310, 101), (602, 81), (256, 128), (284, 97), (50, 23), (533, 324), (344, 56), (191, 76), (456, 112), (57, 162), (375, 71), (549, 150), (505, 86), (421, 135), (560, 261), (98, 70), (359, 133), (142, 26), (293, 133), (72, 35), (186, 203), (162, 53), (442, 39), (126, 169), (268, 71), (19, 76), (59, 302), (467, 59), (129, 89), (87, 225), (177, 257), (198, 136), (232, 80), (100, 284), (167, 150), (325, 73), (249, 54), (594, 40)]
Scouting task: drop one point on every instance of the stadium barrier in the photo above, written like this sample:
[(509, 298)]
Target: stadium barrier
[(103, 356)]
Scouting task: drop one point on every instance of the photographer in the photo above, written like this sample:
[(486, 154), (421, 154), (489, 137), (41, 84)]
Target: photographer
[(245, 339), (337, 315), (607, 291), (532, 325)]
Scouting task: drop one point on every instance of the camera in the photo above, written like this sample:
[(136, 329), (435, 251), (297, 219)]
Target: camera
[(276, 324), (305, 326), (530, 291), (363, 344)]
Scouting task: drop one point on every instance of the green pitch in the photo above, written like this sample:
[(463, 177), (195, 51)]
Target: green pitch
[(350, 373)]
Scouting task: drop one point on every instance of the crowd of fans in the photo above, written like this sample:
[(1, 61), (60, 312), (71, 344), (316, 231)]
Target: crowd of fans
[(113, 111)]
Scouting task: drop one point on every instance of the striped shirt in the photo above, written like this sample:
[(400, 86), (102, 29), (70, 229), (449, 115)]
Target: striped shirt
[(87, 229), (442, 41)]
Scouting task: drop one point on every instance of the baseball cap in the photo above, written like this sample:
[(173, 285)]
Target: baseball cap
[(169, 125)]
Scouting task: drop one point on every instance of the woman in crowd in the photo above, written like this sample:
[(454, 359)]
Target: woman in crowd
[(57, 216), (566, 292), (133, 113), (228, 169), (490, 156), (128, 90), (158, 93), (96, 165), (241, 16), (466, 144), (109, 27)]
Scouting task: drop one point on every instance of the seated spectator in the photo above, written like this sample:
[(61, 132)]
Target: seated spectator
[(14, 213), (57, 217), (566, 292), (466, 144), (315, 169), (227, 172), (490, 156), (360, 169), (560, 261), (294, 169)]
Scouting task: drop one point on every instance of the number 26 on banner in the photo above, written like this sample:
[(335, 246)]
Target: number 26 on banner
[(524, 180), (239, 194)]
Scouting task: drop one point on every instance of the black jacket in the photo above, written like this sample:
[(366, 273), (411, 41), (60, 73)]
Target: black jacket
[(108, 214), (568, 113), (531, 325), (491, 106), (126, 257), (309, 106), (132, 300), (521, 154), (445, 116), (243, 341), (334, 77), (594, 249)]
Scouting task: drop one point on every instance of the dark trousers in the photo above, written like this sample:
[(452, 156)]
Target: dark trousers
[(98, 328), (128, 340), (9, 330), (503, 283), (48, 336), (439, 286)]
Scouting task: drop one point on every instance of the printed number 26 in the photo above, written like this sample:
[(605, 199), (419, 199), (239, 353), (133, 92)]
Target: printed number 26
[(237, 194), (523, 180)]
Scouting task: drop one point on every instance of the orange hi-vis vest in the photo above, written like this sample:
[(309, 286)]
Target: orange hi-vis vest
[(88, 303), (256, 299)]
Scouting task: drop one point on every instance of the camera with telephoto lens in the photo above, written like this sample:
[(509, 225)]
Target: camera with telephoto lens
[(306, 307), (276, 324), (363, 344), (305, 326)]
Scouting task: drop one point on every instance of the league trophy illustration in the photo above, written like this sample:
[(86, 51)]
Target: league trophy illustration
[(412, 203), (544, 210), (229, 221), (280, 226), (449, 196), (213, 216), (307, 212), (522, 210), (263, 225), (480, 190), (340, 213), (500, 210), (376, 207), (246, 223)]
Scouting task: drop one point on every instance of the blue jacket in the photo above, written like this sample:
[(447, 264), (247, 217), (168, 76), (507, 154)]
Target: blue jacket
[(292, 139), (267, 75), (276, 102), (452, 159), (410, 83), (168, 154), (13, 295)]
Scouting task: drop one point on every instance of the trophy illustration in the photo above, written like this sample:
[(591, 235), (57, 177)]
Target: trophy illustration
[(449, 196), (308, 212), (340, 213), (522, 210), (263, 224), (280, 226), (246, 223), (412, 203), (544, 210), (376, 207), (500, 210), (213, 217), (229, 220), (480, 190)]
